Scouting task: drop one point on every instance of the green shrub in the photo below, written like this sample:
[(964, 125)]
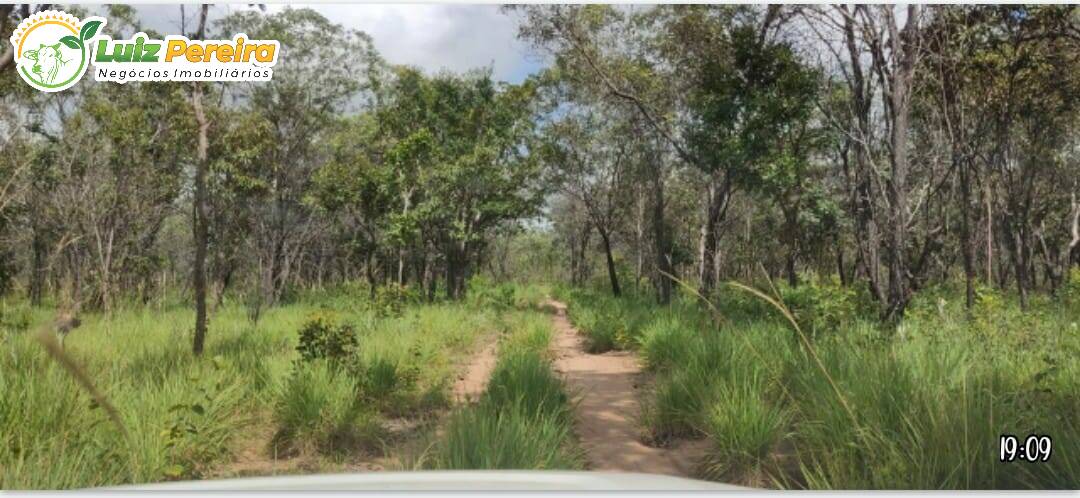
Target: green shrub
[(391, 299), (484, 293), (198, 430), (1070, 291), (821, 305), (322, 337), (320, 409)]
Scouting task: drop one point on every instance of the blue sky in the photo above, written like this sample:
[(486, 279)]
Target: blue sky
[(430, 36)]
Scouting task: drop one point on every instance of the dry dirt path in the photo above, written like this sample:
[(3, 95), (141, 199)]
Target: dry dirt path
[(251, 456), (607, 408), (473, 380)]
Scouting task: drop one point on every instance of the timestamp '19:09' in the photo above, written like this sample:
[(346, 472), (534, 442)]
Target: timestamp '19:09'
[(1033, 448)]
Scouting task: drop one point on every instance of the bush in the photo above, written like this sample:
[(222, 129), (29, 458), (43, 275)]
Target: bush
[(1071, 290), (320, 409), (197, 435), (321, 337), (484, 293), (391, 299), (821, 305)]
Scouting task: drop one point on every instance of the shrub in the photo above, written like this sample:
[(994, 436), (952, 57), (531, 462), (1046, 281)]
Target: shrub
[(1071, 290), (321, 337), (484, 293), (197, 434), (391, 299), (821, 305)]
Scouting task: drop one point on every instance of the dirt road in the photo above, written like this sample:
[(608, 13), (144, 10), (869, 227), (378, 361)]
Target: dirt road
[(607, 409)]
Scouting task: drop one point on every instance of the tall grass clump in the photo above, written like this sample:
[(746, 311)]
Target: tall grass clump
[(522, 421), (320, 409), (743, 427)]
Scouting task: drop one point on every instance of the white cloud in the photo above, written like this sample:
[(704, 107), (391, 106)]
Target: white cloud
[(431, 36), (440, 36)]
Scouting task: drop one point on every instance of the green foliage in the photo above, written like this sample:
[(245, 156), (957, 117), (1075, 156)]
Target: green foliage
[(1070, 291), (665, 343), (522, 421), (743, 427), (940, 385), (319, 408), (386, 382), (608, 323), (483, 292), (391, 299), (14, 317), (821, 305), (524, 381), (198, 433), (322, 337)]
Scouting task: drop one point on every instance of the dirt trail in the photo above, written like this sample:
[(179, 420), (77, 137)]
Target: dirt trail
[(471, 384), (251, 456), (608, 407)]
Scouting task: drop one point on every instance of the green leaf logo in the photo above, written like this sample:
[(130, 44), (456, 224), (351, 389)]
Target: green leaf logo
[(71, 42), (89, 30)]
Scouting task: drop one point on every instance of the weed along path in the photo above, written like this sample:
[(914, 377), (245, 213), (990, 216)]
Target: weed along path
[(607, 407)]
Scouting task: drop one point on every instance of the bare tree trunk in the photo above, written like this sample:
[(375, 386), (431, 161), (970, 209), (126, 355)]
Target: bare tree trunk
[(37, 272), (716, 202), (968, 242), (660, 236), (612, 274), (899, 100), (200, 220)]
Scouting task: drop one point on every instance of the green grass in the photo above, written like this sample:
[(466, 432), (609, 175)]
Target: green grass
[(523, 420), (183, 416), (930, 396)]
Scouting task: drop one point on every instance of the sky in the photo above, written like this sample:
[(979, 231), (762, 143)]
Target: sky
[(430, 36)]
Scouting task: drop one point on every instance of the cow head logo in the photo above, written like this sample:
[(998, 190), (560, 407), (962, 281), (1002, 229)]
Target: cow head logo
[(52, 49)]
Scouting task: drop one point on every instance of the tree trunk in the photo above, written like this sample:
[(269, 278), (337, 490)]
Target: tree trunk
[(612, 274), (660, 237), (199, 221), (902, 79), (968, 242), (716, 202), (37, 271)]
